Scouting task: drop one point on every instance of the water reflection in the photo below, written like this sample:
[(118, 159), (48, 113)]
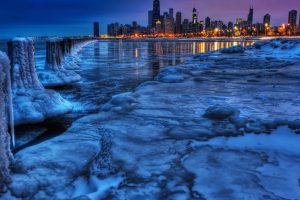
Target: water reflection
[(97, 50), (111, 67)]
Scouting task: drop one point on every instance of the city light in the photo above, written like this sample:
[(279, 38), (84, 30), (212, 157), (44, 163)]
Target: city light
[(168, 25)]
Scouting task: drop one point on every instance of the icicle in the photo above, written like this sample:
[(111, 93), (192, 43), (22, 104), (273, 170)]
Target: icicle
[(11, 112)]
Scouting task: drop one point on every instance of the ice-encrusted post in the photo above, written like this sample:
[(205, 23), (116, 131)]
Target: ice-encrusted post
[(21, 54), (67, 46), (5, 153), (32, 103), (54, 54), (54, 74)]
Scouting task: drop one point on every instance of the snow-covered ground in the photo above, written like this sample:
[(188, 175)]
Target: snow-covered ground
[(219, 126)]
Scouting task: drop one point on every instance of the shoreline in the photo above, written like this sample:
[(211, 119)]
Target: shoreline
[(53, 127), (158, 121)]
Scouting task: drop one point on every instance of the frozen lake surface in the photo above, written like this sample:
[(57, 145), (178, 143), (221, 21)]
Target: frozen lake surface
[(108, 68), (219, 125)]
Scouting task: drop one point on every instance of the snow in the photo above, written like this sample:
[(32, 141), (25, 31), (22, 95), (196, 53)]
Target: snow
[(5, 153), (233, 49), (32, 103), (156, 143), (95, 188), (54, 73), (220, 112), (120, 103), (54, 78), (277, 174)]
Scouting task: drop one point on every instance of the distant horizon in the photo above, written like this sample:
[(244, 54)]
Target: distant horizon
[(65, 18)]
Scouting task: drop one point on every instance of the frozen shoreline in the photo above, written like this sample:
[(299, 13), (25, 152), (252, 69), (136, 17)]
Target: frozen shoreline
[(158, 143)]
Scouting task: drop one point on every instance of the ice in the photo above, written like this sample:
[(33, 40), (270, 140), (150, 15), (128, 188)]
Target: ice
[(54, 73), (220, 112), (159, 141), (120, 103), (32, 103), (95, 188), (55, 164), (5, 153), (233, 49), (276, 159)]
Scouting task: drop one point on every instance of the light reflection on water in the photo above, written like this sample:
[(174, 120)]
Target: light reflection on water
[(112, 67)]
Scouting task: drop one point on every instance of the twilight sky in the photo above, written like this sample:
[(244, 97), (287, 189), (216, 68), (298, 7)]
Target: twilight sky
[(74, 17)]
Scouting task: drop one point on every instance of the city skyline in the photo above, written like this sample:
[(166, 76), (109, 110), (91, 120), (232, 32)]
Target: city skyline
[(68, 17)]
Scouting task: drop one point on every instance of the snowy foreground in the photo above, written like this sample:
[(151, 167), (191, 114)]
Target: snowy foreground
[(223, 125)]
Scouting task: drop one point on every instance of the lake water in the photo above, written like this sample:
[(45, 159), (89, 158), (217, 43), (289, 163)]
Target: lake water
[(112, 67)]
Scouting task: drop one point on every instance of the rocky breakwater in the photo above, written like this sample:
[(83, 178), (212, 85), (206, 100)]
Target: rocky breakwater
[(32, 102), (5, 112)]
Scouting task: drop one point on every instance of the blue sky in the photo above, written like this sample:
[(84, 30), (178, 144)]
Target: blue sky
[(74, 17)]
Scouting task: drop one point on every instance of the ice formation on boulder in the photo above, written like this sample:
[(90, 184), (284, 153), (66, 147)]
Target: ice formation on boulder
[(54, 73), (32, 103), (220, 112), (5, 154)]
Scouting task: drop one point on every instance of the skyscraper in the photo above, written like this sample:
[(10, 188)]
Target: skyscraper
[(169, 25), (96, 29), (178, 22), (230, 25), (150, 18), (171, 13), (293, 18), (250, 16), (195, 16), (207, 23), (156, 12), (267, 20), (185, 26)]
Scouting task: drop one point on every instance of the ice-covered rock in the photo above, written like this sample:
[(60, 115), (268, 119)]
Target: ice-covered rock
[(54, 73), (233, 50), (5, 153), (220, 112), (175, 74), (32, 103), (48, 170), (121, 103)]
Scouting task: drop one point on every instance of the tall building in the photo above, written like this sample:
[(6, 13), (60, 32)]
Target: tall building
[(195, 16), (171, 13), (230, 26), (201, 26), (260, 28), (293, 18), (169, 25), (150, 18), (250, 16), (113, 29), (96, 29), (218, 24), (156, 12), (178, 22), (185, 26), (207, 23), (267, 20)]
